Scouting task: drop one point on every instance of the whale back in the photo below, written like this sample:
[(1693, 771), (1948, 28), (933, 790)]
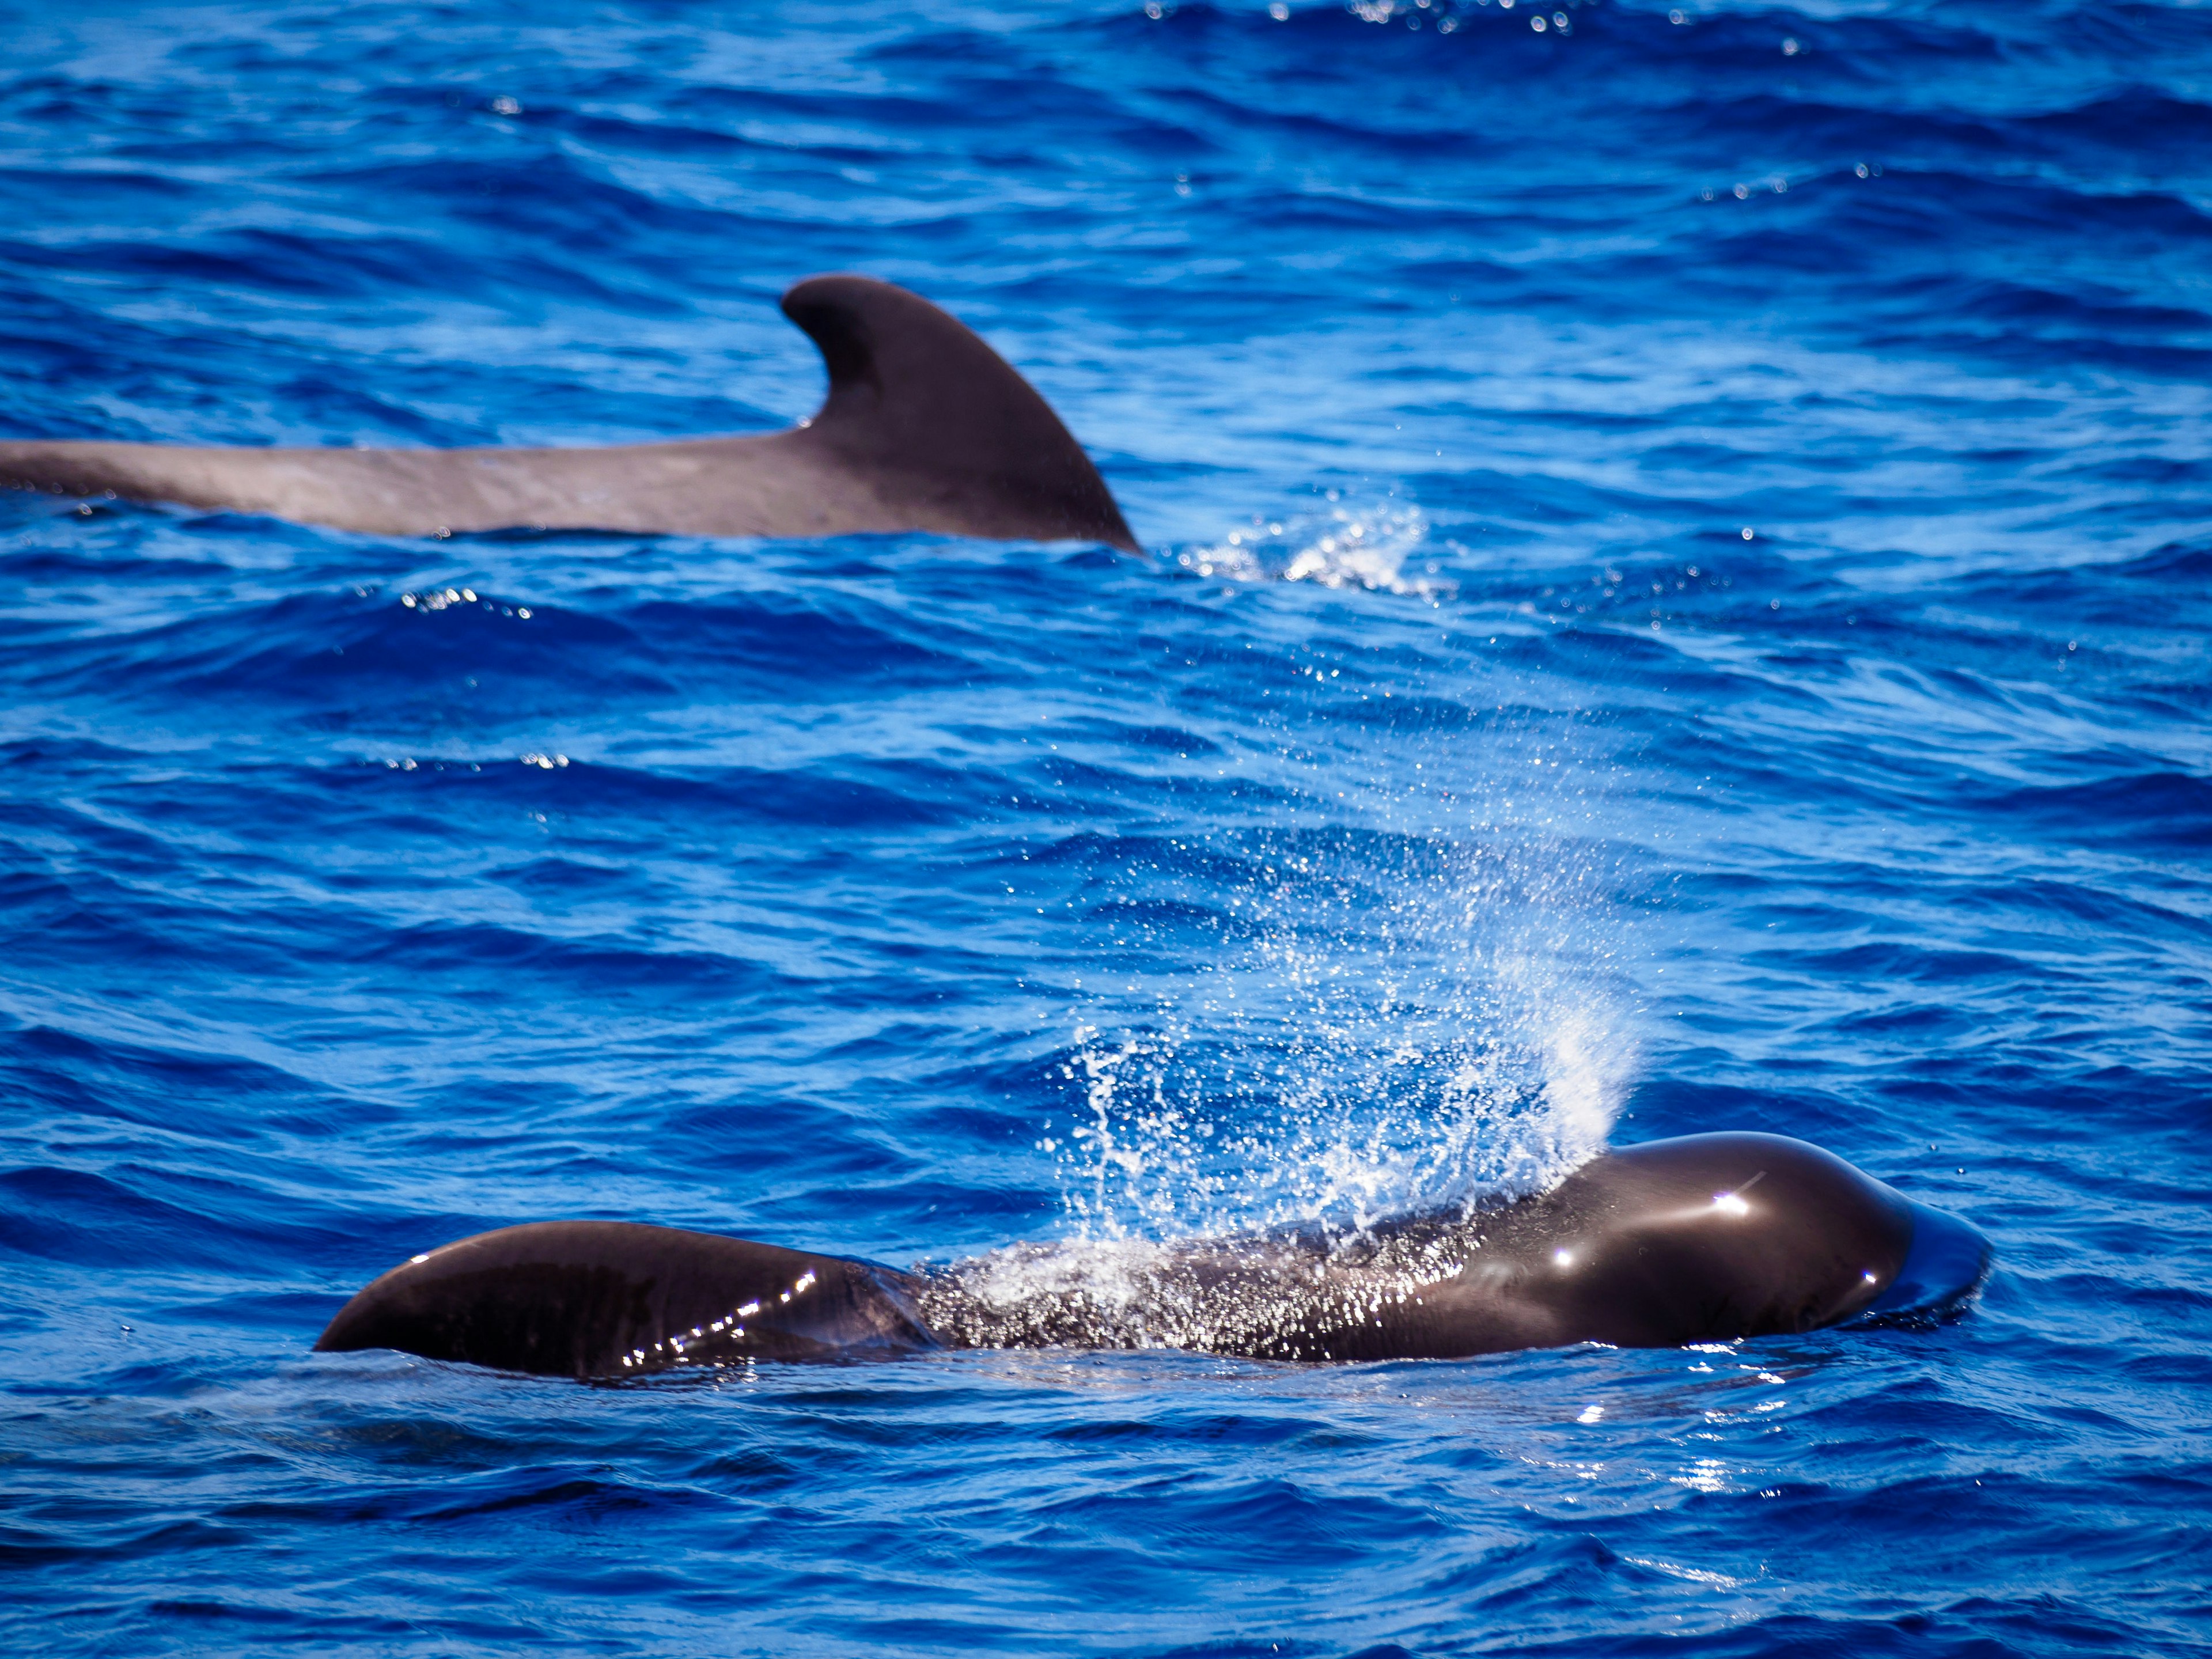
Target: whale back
[(1705, 1238), (615, 1298), (925, 428)]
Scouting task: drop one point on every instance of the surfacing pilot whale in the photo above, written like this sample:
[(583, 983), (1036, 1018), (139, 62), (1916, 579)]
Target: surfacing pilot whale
[(925, 428), (1704, 1238)]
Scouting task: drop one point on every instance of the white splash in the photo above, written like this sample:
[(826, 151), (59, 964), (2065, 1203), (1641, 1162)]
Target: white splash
[(1341, 546), (1205, 1219), (1445, 1045)]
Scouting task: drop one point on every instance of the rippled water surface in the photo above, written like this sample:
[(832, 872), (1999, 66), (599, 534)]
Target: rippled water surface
[(1678, 599)]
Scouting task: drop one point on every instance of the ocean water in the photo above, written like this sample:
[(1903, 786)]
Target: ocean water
[(1677, 599)]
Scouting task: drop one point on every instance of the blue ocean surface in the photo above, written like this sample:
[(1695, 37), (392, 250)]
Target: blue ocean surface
[(1678, 596)]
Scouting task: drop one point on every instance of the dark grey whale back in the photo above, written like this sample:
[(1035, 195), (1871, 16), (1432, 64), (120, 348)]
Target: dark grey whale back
[(1704, 1238), (925, 428), (610, 1298)]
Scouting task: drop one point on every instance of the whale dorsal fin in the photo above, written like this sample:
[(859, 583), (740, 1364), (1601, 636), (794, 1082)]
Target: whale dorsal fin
[(928, 411)]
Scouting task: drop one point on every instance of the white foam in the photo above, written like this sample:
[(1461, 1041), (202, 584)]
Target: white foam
[(1336, 546)]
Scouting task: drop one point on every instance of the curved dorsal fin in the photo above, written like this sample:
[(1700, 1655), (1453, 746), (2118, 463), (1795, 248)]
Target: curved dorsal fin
[(916, 397)]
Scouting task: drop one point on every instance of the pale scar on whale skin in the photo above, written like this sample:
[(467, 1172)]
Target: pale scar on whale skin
[(1702, 1238), (925, 428)]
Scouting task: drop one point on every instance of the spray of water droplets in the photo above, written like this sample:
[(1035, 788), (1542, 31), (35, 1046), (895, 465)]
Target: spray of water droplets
[(1401, 1035)]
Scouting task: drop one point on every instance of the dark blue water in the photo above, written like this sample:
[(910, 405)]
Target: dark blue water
[(1679, 600)]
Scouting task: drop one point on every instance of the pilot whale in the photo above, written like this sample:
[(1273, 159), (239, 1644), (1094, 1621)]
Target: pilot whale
[(925, 428), (1704, 1238)]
